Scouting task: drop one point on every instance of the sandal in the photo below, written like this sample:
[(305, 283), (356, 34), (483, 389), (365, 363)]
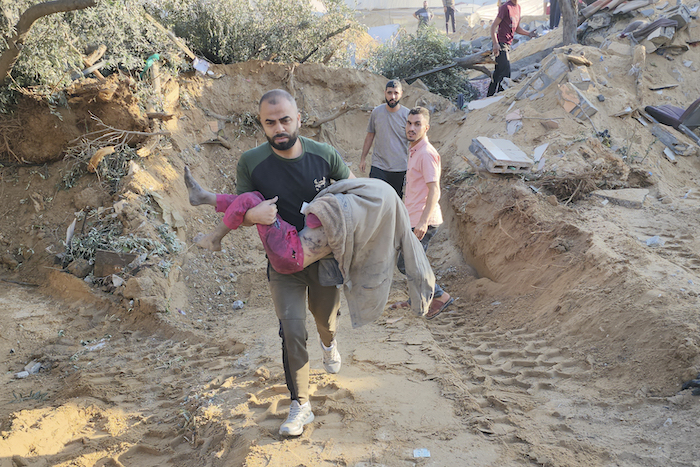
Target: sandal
[(438, 305)]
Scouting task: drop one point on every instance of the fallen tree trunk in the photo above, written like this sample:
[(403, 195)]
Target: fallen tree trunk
[(30, 15), (472, 61)]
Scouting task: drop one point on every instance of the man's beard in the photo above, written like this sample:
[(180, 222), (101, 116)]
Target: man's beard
[(390, 104), (291, 140)]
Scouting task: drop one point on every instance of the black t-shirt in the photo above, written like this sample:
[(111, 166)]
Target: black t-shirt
[(294, 181)]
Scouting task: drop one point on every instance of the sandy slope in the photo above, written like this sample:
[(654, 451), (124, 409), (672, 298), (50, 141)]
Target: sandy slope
[(566, 346)]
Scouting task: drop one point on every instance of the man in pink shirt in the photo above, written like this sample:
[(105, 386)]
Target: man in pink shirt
[(423, 194), (503, 29)]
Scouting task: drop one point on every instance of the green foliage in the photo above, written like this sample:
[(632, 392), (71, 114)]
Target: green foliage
[(410, 54), (227, 31), (51, 54), (223, 31)]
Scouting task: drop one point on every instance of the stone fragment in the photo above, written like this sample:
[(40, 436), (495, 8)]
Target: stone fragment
[(79, 267)]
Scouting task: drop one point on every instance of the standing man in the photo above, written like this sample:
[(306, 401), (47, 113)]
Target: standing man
[(387, 129), (290, 170), (424, 15), (449, 7), (422, 196), (504, 27)]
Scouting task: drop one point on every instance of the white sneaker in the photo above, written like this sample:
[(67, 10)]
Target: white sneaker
[(299, 415), (331, 357)]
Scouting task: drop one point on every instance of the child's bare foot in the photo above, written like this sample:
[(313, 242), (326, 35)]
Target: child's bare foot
[(198, 195), (209, 241)]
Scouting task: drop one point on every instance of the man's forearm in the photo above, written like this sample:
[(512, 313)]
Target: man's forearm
[(369, 139), (431, 202)]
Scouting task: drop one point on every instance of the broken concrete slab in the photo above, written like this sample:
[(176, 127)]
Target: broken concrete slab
[(581, 78), (500, 155), (574, 101), (680, 15), (627, 197), (539, 151), (481, 103), (551, 71)]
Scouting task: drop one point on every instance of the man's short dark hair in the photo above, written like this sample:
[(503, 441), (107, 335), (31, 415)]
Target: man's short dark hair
[(420, 111), (274, 97), (394, 83)]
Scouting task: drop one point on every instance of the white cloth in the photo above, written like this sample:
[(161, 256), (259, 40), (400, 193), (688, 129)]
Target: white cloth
[(367, 225)]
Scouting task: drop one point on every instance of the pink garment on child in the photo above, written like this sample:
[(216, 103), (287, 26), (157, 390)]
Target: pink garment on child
[(280, 240)]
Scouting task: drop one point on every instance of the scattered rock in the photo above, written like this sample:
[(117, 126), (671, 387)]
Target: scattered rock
[(9, 261), (32, 367), (21, 374), (550, 124), (238, 305), (79, 267)]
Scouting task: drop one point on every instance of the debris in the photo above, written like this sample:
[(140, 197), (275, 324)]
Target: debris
[(32, 367), (574, 102), (669, 155), (109, 262), (662, 86), (117, 281), (481, 103), (238, 305), (159, 115), (581, 78), (421, 453), (79, 267), (552, 69), (626, 197), (539, 151), (500, 155), (601, 98), (22, 374), (671, 141), (98, 156)]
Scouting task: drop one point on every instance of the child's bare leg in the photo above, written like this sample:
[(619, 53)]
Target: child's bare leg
[(198, 195), (315, 244), (212, 241)]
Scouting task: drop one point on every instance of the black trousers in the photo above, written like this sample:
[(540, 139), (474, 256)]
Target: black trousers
[(449, 12), (501, 71), (395, 179)]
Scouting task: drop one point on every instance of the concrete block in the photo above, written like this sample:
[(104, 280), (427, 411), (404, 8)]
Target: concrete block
[(581, 78), (679, 14), (575, 102), (664, 37), (627, 197), (500, 155)]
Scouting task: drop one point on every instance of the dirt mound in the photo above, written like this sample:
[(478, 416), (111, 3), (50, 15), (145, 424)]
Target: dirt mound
[(38, 134), (568, 339)]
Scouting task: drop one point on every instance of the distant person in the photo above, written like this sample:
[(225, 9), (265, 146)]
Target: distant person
[(554, 14), (424, 15), (422, 196), (449, 7), (504, 27), (387, 130)]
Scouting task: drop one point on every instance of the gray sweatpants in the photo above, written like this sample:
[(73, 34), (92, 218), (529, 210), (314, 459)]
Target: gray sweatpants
[(289, 293)]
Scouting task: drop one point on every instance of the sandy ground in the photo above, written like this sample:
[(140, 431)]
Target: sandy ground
[(567, 344)]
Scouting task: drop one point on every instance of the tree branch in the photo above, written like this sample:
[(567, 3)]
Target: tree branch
[(30, 15)]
